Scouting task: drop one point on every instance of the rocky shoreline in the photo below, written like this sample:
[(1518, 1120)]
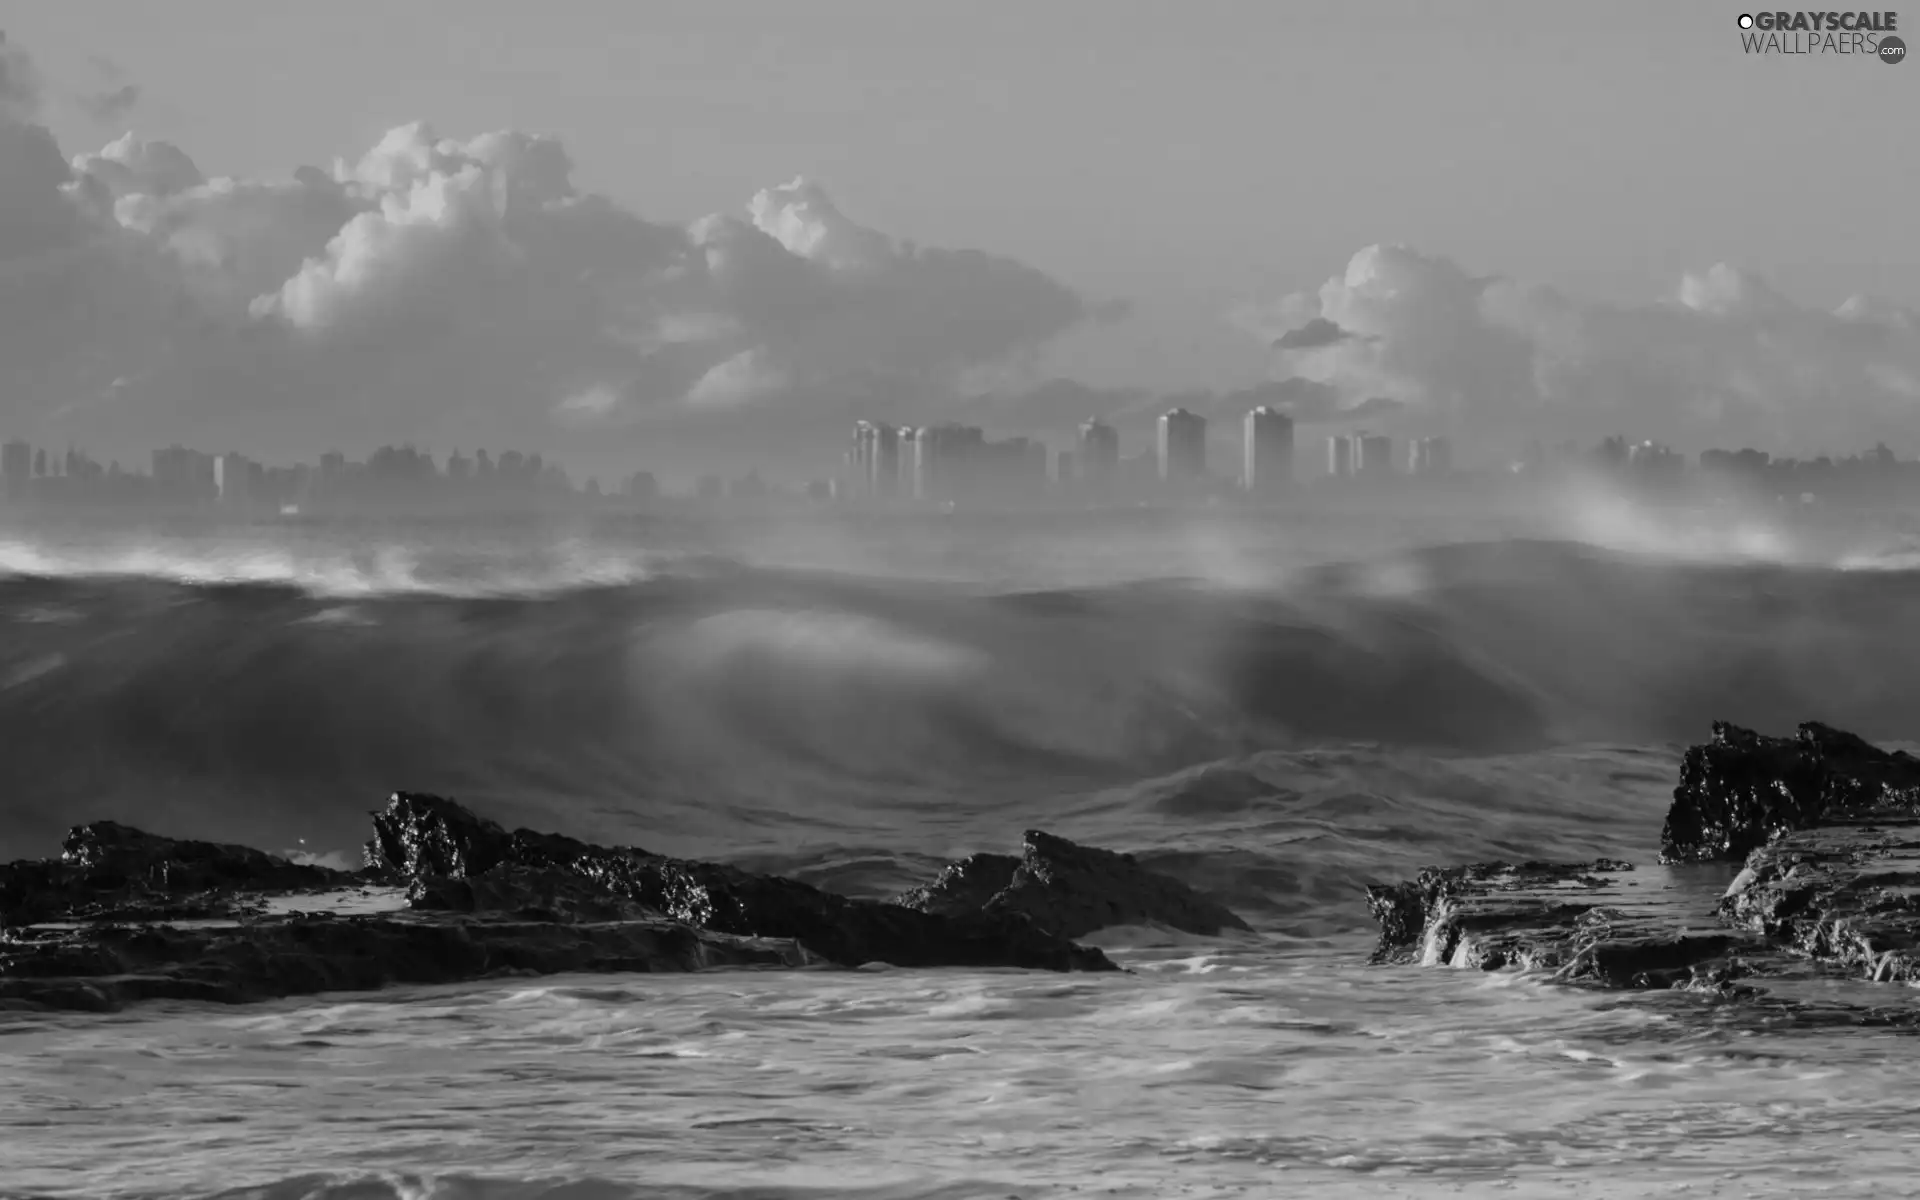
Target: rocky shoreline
[(1818, 833), (448, 896), (1827, 831)]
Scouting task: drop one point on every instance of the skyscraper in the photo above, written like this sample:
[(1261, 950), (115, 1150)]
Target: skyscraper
[(907, 463), (16, 460), (875, 458), (945, 458), (1268, 449), (1429, 456), (1099, 455), (1340, 455), (233, 477), (1373, 454), (1183, 446)]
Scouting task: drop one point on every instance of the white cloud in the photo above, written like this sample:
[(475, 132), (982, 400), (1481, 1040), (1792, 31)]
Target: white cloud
[(433, 284), (1725, 359)]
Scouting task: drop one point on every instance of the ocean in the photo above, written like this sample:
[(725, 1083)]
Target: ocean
[(1277, 707)]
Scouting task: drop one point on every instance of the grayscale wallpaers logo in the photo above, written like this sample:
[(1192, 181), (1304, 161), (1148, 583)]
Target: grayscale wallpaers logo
[(1867, 34)]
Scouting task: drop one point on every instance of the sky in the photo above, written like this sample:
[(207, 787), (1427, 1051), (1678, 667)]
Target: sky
[(1550, 217)]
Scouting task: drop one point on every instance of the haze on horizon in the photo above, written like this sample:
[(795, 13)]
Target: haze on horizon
[(483, 224)]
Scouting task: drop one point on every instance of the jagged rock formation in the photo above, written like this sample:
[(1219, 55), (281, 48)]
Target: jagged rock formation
[(1741, 788), (425, 841), (1830, 889), (1069, 890), (107, 869), (446, 896), (1845, 895), (1588, 922)]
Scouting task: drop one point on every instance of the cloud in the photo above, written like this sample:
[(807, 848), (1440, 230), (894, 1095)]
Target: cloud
[(19, 83), (1724, 359), (440, 288), (112, 106), (1316, 333)]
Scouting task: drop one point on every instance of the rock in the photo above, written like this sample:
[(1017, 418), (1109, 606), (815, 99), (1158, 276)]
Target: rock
[(425, 841), (420, 836), (1846, 895), (1830, 891), (1741, 788), (965, 885), (102, 968), (537, 893), (1597, 924), (125, 915), (105, 867), (1069, 890)]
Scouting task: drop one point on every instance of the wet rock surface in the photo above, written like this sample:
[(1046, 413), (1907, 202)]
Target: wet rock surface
[(1741, 788), (1845, 895), (1825, 910), (1070, 890), (446, 896), (446, 855), (1602, 924), (107, 869)]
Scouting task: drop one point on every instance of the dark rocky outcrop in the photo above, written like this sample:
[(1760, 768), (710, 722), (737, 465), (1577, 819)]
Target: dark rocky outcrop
[(1830, 890), (1600, 924), (446, 896), (102, 967), (1069, 890), (425, 841), (419, 836), (105, 868), (1845, 895), (1741, 788)]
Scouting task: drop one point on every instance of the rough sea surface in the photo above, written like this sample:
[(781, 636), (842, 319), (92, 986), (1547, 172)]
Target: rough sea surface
[(1279, 711)]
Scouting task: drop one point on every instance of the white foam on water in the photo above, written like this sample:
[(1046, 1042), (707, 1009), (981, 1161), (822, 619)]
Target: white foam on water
[(1358, 1081)]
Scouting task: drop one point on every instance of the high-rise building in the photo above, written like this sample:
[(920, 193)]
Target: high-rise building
[(945, 458), (183, 471), (1372, 454), (1025, 466), (1182, 445), (16, 460), (1098, 457), (875, 458), (1267, 447), (233, 478), (907, 463), (917, 450), (1429, 456), (1340, 455)]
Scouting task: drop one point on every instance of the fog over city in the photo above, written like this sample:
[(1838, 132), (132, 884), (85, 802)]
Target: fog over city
[(891, 600), (442, 281)]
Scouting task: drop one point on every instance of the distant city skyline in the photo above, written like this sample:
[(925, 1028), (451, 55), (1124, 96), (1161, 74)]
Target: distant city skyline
[(1139, 204)]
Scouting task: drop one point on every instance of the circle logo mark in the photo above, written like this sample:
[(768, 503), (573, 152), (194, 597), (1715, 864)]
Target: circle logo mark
[(1892, 50), (1746, 20)]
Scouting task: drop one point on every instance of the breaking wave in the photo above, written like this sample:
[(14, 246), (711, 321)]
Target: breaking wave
[(854, 728)]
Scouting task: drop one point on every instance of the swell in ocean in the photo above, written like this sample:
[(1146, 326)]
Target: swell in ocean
[(1271, 740)]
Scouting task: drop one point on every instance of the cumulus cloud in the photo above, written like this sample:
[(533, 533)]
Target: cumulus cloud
[(437, 285), (1724, 359), (1317, 332)]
